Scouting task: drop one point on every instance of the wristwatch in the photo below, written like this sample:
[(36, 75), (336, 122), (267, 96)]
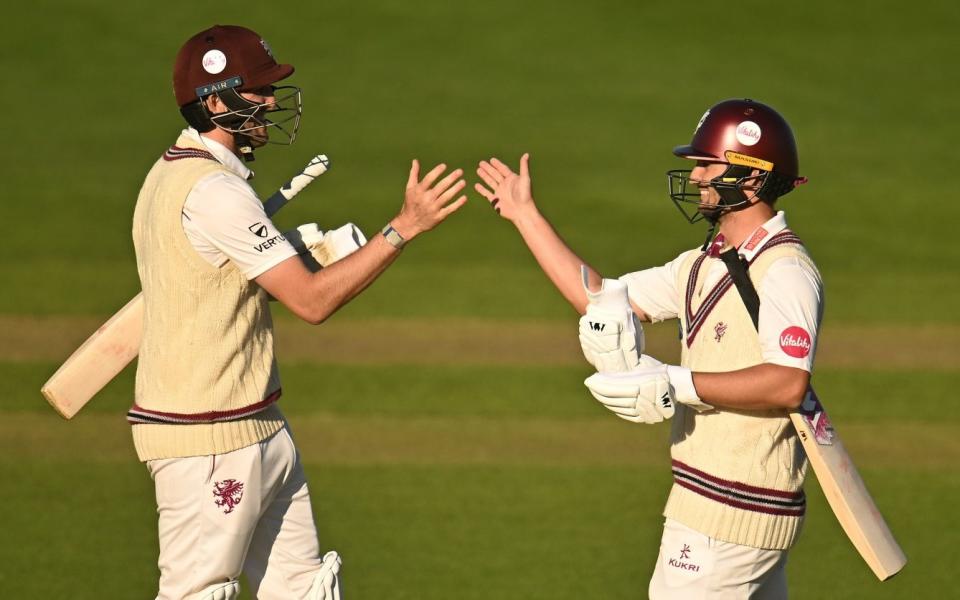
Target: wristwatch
[(393, 236)]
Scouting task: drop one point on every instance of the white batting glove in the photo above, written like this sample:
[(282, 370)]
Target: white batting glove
[(608, 343), (328, 247), (305, 236), (344, 241), (646, 395), (326, 583), (611, 336)]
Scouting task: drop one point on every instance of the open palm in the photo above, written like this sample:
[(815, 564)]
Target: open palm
[(509, 193)]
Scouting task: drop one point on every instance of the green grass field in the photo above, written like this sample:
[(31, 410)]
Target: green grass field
[(470, 462)]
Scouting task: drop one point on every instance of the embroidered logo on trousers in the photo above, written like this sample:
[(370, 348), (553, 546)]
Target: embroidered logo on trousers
[(227, 494)]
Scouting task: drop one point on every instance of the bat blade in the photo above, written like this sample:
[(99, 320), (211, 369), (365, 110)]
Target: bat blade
[(97, 361), (117, 342), (845, 490)]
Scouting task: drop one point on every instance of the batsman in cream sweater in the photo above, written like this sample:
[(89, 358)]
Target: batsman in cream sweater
[(737, 502), (231, 493)]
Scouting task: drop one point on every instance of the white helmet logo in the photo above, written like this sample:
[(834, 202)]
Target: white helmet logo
[(700, 122), (214, 62), (748, 133), (266, 47)]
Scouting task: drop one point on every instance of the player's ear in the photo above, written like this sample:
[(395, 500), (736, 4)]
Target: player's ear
[(214, 104)]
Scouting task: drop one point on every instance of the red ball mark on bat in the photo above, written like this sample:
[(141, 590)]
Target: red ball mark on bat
[(795, 342)]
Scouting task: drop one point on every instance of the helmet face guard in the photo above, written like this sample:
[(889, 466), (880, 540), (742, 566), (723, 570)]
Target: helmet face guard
[(256, 124), (731, 186)]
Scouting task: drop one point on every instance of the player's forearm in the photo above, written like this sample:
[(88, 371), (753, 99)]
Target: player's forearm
[(556, 259), (336, 285), (761, 387)]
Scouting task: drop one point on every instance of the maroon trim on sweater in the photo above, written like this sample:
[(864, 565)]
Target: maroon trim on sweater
[(694, 321), (178, 153), (142, 415), (740, 495)]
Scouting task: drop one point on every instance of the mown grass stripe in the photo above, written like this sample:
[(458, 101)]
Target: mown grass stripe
[(376, 440), (451, 341)]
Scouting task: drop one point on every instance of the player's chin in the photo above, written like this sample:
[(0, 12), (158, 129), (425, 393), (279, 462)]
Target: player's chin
[(709, 211), (259, 137)]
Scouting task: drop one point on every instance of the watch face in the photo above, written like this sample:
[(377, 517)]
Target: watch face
[(393, 237)]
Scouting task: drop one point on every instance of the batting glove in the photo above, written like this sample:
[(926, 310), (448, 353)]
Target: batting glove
[(328, 247), (611, 336), (646, 395), (326, 583)]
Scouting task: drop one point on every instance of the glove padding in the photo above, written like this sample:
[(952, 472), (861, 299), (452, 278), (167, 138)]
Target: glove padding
[(320, 249), (326, 583), (648, 394), (639, 396), (611, 336)]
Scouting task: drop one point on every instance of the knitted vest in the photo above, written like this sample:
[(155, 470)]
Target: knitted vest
[(738, 475), (206, 377)]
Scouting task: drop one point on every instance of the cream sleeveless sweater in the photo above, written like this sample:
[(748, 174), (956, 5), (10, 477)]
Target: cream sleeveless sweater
[(206, 378), (738, 475)]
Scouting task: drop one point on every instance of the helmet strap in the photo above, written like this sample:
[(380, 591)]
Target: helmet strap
[(731, 195), (196, 116), (776, 185), (710, 232)]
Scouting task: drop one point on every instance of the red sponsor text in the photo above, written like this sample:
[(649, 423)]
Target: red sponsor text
[(795, 342)]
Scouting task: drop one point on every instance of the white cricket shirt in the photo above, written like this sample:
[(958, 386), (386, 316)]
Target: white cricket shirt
[(791, 298), (224, 219)]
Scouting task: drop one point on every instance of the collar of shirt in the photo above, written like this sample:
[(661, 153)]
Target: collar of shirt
[(754, 241), (221, 153)]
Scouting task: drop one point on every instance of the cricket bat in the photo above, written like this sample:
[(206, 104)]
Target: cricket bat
[(845, 491), (111, 347), (838, 476)]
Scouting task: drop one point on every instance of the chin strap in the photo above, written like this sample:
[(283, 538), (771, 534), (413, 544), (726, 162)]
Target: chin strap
[(710, 232), (245, 147)]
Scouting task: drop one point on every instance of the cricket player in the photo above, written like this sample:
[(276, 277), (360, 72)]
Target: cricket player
[(737, 502), (230, 487)]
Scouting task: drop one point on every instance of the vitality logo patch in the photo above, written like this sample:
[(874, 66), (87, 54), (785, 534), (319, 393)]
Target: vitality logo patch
[(795, 342)]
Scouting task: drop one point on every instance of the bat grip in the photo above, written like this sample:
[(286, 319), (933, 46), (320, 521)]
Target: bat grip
[(318, 166)]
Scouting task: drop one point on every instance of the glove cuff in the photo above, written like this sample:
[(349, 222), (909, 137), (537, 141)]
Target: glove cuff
[(684, 392)]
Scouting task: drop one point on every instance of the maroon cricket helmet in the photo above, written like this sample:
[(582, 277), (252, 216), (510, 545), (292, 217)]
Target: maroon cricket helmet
[(746, 133), (758, 146), (224, 57)]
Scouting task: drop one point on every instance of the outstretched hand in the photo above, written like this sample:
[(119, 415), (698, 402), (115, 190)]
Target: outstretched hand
[(427, 202), (509, 193)]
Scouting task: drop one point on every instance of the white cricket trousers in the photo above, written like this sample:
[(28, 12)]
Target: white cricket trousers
[(692, 566), (248, 510)]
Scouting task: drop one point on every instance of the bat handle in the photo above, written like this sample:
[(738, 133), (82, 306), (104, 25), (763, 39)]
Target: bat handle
[(316, 167)]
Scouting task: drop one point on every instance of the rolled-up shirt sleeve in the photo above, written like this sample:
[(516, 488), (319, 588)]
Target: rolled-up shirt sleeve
[(225, 220), (791, 306), (654, 290)]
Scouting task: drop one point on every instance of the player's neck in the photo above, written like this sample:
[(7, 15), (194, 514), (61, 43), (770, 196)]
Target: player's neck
[(736, 226), (224, 138)]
